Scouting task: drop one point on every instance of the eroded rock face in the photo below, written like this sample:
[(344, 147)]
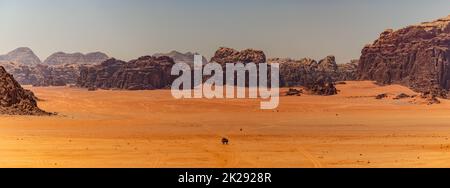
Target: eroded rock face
[(417, 56), (14, 100), (145, 73), (23, 55), (61, 58), (347, 71)]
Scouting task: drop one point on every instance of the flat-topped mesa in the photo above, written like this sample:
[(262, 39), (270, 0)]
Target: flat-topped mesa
[(228, 55), (417, 56), (144, 73), (14, 100)]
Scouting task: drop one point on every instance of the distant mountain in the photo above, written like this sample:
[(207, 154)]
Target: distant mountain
[(179, 57), (21, 55), (61, 58)]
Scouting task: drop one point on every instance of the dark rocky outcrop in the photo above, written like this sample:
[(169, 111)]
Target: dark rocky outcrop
[(99, 76), (417, 56), (23, 55), (61, 58), (14, 100), (145, 73)]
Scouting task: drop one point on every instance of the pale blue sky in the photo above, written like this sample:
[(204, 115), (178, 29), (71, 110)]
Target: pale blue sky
[(126, 29)]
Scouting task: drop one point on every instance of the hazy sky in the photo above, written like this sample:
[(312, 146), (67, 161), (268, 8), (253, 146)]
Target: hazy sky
[(126, 29)]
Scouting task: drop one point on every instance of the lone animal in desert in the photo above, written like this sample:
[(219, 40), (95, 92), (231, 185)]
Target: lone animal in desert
[(225, 141)]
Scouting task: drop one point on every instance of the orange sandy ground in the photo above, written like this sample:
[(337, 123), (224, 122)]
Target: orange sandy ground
[(151, 129)]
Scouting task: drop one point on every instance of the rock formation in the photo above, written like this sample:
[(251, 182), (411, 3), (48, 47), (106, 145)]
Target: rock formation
[(417, 56), (61, 58), (14, 100), (21, 55), (145, 73), (318, 77)]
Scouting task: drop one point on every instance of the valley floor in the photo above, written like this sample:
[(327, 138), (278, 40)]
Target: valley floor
[(151, 129)]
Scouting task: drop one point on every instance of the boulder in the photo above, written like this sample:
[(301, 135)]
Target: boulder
[(381, 96), (294, 92)]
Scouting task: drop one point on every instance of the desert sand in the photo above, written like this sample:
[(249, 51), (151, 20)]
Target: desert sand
[(151, 129)]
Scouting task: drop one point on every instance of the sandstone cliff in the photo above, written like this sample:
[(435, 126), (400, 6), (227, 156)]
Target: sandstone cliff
[(417, 56)]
